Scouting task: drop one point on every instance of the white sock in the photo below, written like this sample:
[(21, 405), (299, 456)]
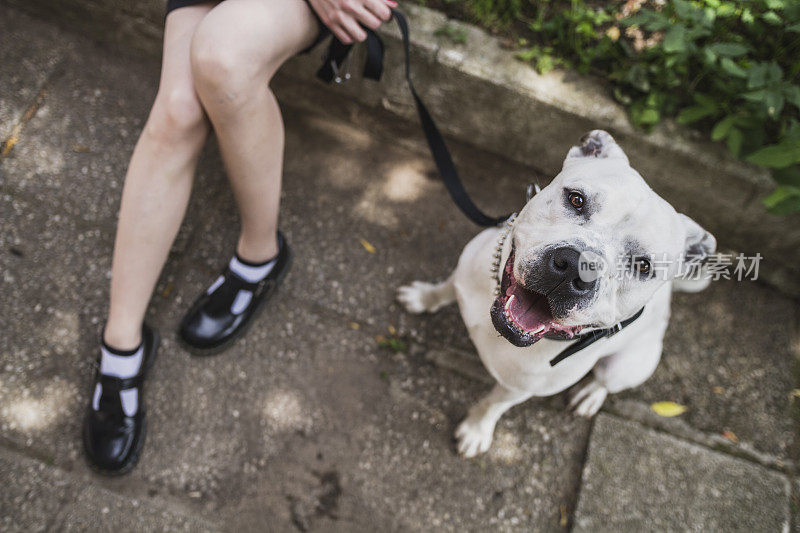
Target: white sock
[(120, 364), (251, 272)]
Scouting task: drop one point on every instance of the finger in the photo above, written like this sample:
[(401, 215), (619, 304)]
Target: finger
[(340, 34), (352, 28), (366, 18), (379, 8)]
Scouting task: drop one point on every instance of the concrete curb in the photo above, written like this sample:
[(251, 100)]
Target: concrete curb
[(482, 95)]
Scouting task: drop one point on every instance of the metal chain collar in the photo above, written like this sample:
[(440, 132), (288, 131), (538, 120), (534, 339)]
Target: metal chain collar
[(498, 252)]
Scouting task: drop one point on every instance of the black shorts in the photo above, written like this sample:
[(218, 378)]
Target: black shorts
[(324, 32)]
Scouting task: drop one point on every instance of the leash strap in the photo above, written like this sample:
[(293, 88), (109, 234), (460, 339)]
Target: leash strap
[(593, 336), (331, 70), (373, 68)]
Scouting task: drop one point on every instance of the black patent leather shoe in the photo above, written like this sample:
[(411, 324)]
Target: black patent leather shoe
[(218, 317), (113, 440)]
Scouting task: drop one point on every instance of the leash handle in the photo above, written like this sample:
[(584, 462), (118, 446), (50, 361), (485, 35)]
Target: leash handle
[(373, 69)]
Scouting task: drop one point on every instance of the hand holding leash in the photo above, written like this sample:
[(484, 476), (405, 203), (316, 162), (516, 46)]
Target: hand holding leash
[(345, 18), (332, 69)]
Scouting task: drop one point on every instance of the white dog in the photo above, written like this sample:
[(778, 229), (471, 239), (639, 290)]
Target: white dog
[(586, 254)]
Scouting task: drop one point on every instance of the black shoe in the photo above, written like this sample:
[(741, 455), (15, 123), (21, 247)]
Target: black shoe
[(210, 325), (113, 440)]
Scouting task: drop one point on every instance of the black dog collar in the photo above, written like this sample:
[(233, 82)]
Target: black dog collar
[(587, 339)]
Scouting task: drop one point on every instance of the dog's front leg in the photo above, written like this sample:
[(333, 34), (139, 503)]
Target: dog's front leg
[(624, 370), (475, 433)]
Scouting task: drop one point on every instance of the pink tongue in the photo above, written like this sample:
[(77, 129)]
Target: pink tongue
[(528, 309)]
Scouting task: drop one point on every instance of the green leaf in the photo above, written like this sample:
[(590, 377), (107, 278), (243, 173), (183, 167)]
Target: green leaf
[(756, 76), (728, 49), (529, 54), (545, 64), (648, 116), (756, 96), (683, 8), (709, 55), (788, 176), (637, 77), (774, 102), (770, 17), (774, 73), (792, 94), (722, 128), (794, 28), (783, 200), (735, 139), (694, 113), (732, 68), (675, 39), (777, 156)]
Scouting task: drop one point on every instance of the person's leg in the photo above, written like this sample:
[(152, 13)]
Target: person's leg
[(154, 199), (235, 52), (158, 182)]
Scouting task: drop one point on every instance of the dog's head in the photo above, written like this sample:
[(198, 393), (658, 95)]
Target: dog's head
[(591, 248)]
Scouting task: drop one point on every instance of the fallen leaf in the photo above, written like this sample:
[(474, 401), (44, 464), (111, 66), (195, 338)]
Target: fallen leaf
[(353, 325), (167, 290), (8, 145), (380, 338), (392, 330), (794, 394), (563, 522), (668, 409), (80, 148), (718, 390), (730, 435), (367, 246)]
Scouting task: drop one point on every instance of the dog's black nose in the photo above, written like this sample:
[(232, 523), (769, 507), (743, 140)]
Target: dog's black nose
[(564, 265)]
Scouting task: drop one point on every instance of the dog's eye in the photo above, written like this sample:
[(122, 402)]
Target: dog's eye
[(576, 199), (641, 265)]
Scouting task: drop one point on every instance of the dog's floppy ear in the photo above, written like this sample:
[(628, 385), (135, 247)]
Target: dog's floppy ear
[(597, 144), (699, 243)]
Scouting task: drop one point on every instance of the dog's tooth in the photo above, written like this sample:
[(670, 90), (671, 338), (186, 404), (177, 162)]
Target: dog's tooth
[(508, 303)]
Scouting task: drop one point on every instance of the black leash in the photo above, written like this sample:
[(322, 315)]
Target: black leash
[(332, 70), (593, 336)]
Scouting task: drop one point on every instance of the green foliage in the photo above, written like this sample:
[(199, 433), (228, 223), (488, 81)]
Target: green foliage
[(728, 68), (455, 34)]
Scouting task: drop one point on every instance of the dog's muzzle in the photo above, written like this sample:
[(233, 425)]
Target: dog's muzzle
[(523, 315)]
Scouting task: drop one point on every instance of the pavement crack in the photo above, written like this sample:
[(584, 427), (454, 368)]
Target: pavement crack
[(7, 144), (572, 503)]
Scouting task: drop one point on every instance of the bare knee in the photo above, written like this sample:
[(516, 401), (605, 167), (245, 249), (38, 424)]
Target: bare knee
[(226, 70), (177, 116)]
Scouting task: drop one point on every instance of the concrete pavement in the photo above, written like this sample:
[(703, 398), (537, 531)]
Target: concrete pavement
[(309, 423)]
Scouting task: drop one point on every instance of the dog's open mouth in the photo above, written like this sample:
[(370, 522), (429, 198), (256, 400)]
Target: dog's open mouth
[(523, 316)]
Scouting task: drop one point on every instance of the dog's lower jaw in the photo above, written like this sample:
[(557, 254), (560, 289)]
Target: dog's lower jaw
[(508, 330)]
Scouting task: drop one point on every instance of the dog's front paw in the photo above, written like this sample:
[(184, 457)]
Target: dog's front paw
[(416, 298), (473, 437), (587, 400)]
